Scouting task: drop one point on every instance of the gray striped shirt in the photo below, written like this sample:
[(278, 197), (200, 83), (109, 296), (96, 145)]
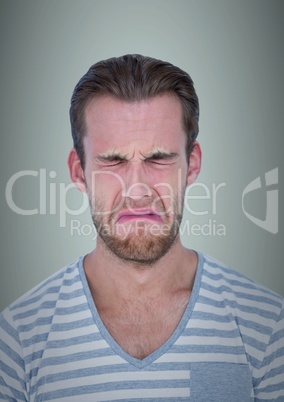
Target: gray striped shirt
[(228, 346)]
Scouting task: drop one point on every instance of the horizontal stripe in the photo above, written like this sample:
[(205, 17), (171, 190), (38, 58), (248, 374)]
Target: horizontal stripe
[(237, 292), (17, 395), (54, 345), (204, 357), (81, 376), (125, 395)]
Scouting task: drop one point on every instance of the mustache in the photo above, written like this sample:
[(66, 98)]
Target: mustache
[(98, 206), (131, 205)]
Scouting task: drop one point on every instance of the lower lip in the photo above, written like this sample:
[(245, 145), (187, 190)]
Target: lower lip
[(146, 217)]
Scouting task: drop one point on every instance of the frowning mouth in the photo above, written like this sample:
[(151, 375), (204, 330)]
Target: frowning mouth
[(138, 214)]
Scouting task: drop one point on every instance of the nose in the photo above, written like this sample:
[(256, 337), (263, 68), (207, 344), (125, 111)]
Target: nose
[(136, 183)]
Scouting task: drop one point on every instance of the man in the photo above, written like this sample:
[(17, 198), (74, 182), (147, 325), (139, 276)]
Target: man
[(141, 317)]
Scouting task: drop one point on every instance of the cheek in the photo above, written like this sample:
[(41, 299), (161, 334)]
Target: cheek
[(173, 181), (105, 185), (170, 188)]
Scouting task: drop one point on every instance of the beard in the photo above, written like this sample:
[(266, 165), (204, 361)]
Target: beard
[(142, 242)]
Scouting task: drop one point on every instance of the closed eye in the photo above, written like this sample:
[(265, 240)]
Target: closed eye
[(157, 158), (161, 158), (111, 160)]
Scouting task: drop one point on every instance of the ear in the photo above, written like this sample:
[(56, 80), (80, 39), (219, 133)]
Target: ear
[(76, 171), (194, 163)]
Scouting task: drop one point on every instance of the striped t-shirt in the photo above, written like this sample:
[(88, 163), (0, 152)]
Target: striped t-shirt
[(228, 346)]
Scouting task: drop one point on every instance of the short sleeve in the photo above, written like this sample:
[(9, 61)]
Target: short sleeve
[(12, 367), (270, 383)]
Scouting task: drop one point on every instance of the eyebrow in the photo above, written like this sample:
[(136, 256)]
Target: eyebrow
[(158, 155), (154, 155), (111, 157)]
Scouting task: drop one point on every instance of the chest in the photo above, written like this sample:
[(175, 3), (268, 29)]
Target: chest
[(189, 369), (79, 361), (142, 328)]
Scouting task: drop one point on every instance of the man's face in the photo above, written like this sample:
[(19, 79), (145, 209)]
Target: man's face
[(135, 174)]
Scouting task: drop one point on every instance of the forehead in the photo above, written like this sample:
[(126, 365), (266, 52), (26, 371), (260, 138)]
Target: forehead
[(112, 123)]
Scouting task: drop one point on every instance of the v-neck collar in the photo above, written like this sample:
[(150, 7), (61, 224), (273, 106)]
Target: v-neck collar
[(163, 348)]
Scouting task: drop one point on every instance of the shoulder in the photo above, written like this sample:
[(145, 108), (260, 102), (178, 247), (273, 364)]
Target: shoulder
[(43, 298), (28, 322), (222, 278), (252, 304), (256, 312)]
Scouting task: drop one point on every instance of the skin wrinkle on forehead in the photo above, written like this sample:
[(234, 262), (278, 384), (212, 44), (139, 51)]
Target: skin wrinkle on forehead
[(155, 151)]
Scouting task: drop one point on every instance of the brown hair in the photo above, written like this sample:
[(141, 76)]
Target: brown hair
[(133, 78)]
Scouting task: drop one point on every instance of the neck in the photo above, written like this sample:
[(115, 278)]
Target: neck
[(112, 280)]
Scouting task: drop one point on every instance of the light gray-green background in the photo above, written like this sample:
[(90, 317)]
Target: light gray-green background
[(234, 52)]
